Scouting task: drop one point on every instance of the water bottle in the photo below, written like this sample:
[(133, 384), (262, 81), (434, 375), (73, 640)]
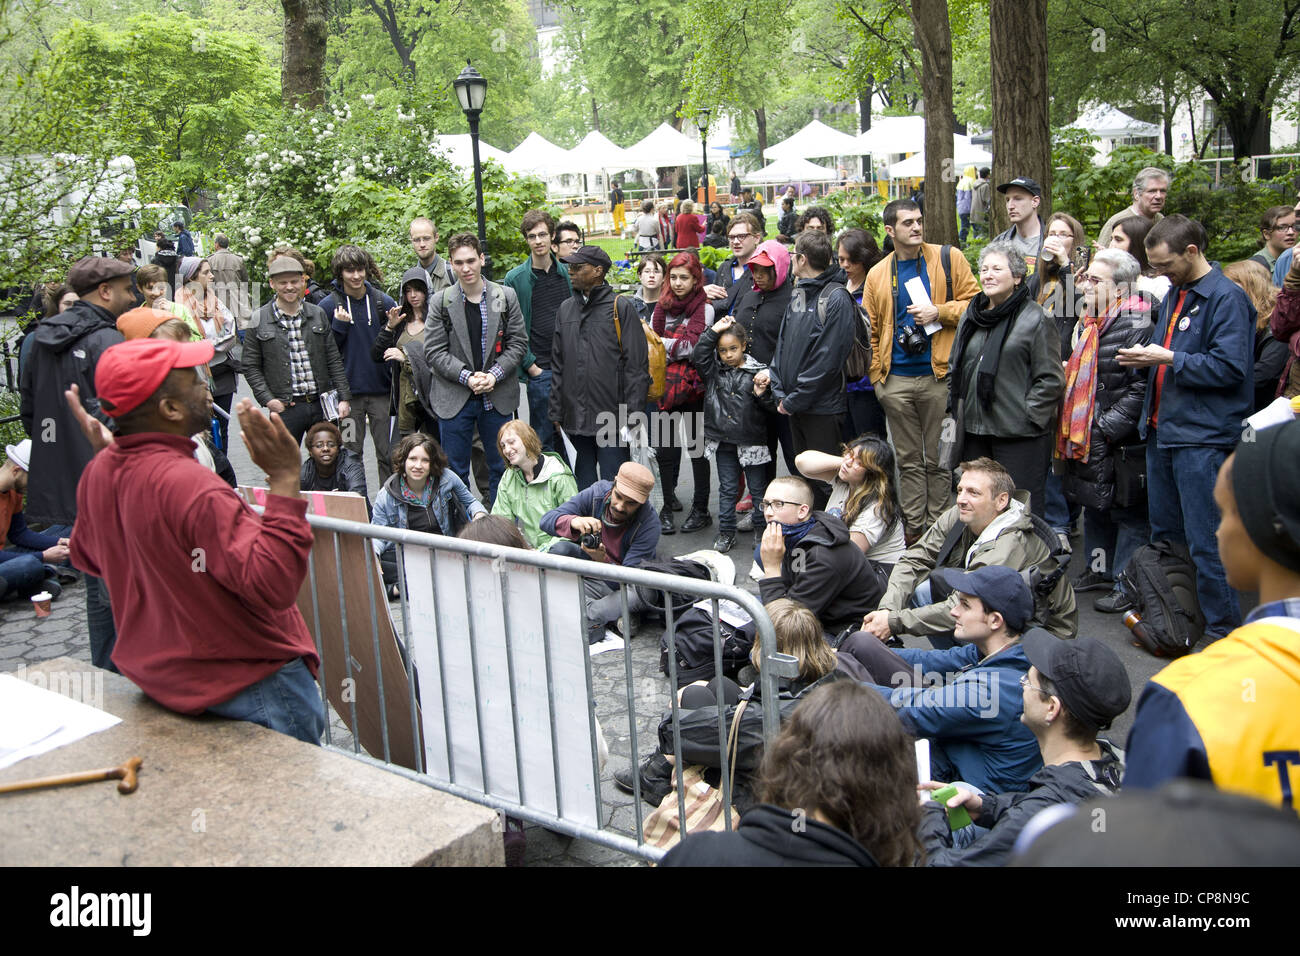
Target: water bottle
[(1133, 621)]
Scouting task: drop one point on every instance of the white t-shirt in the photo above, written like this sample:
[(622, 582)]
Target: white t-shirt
[(883, 549)]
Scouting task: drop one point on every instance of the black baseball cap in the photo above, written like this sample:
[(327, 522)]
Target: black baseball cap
[(1266, 484), (1000, 589), (593, 255), (1090, 678), (1025, 183)]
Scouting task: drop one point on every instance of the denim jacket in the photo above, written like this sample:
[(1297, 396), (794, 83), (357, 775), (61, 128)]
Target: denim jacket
[(390, 509)]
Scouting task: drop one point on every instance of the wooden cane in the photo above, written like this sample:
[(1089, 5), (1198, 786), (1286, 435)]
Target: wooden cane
[(125, 775)]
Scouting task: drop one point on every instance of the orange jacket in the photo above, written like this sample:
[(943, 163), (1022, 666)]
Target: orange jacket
[(878, 300)]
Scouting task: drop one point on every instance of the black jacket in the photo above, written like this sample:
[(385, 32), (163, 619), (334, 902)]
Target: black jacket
[(1270, 361), (767, 837), (1004, 815), (349, 475), (65, 350), (732, 412), (837, 583), (808, 365), (266, 356), (1120, 394), (761, 314), (590, 373)]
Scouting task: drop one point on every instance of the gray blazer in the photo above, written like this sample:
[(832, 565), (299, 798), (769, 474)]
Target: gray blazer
[(447, 347)]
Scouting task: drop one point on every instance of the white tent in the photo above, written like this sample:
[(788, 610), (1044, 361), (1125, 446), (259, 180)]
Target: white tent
[(596, 152), (538, 156), (791, 171), (815, 139), (964, 153), (664, 147), (892, 134), (1106, 122), (458, 148)]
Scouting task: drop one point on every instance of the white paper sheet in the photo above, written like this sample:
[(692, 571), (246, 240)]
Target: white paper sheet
[(34, 720), (923, 764), (920, 298)]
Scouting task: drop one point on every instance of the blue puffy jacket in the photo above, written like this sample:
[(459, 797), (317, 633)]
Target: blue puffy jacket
[(1210, 388)]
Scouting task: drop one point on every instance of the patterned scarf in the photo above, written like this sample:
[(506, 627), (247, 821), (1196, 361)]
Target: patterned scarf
[(423, 499), (1074, 431)]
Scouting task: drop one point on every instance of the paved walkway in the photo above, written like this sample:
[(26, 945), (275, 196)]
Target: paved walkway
[(26, 640)]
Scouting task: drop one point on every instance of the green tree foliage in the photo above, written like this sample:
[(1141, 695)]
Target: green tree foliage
[(181, 96)]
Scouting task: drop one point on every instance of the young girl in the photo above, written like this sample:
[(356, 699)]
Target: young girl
[(863, 495), (735, 424), (680, 316)]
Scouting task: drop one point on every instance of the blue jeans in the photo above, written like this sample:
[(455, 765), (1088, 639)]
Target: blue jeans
[(729, 469), (287, 701), (22, 575), (592, 456), (1058, 512), (1180, 499), (539, 401), (1113, 535), (458, 441), (99, 624)]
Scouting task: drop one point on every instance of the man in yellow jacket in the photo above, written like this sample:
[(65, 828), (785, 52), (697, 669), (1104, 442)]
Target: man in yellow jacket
[(909, 363), (1228, 714)]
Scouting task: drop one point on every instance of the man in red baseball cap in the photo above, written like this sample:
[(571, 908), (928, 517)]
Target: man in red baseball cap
[(155, 524)]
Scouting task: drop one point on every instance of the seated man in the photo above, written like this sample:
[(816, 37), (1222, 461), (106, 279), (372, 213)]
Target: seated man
[(1228, 714), (28, 559), (808, 557), (966, 699), (624, 530), (988, 526), (1073, 690), (203, 589)]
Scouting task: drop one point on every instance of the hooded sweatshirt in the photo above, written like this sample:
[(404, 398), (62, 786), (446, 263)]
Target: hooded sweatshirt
[(761, 312), (836, 583), (525, 502), (369, 315), (766, 838)]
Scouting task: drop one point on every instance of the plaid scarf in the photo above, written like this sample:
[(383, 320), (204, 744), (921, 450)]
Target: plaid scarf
[(1074, 431)]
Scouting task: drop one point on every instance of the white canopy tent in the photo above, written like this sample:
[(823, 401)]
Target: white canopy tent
[(663, 147), (1106, 122), (964, 153), (892, 134), (791, 170), (596, 152), (538, 156), (815, 139), (458, 148)]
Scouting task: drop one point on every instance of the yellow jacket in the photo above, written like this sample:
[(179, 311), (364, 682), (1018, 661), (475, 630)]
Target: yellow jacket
[(878, 300)]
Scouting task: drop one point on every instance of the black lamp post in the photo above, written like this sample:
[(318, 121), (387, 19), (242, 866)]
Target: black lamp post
[(702, 124), (471, 89)]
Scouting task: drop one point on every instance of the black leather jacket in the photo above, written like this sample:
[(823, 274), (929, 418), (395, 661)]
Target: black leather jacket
[(732, 412)]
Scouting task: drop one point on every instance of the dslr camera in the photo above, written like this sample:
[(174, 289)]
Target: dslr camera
[(911, 339)]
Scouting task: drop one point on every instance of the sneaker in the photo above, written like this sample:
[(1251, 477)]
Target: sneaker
[(696, 520), (666, 525), (745, 522), (1116, 602), (725, 541), (1092, 581), (745, 505), (656, 779)]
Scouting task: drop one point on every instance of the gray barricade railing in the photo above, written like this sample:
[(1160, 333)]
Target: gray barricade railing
[(473, 659)]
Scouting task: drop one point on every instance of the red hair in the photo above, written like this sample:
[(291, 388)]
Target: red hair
[(683, 260)]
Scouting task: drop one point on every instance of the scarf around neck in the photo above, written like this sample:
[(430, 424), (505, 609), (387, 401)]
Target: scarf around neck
[(997, 320), (423, 499), (794, 533), (1074, 429)]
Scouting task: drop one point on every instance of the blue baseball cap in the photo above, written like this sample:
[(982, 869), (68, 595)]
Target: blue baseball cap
[(1000, 589)]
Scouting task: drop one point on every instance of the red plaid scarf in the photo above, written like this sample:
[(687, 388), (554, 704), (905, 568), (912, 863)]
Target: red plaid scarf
[(1074, 431)]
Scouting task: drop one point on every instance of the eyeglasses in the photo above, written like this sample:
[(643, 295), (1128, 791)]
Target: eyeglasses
[(739, 236), (538, 236), (1288, 227), (776, 504), (1024, 682), (1089, 279), (324, 444), (569, 242)]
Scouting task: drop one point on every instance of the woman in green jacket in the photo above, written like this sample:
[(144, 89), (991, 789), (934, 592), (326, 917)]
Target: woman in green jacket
[(534, 482)]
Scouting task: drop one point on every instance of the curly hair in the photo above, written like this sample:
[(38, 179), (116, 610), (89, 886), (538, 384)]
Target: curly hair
[(878, 487), (844, 755)]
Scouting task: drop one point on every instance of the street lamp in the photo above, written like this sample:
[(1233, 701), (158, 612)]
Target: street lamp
[(702, 124), (471, 89)]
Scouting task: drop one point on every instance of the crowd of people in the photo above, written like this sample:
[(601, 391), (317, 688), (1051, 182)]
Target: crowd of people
[(944, 432)]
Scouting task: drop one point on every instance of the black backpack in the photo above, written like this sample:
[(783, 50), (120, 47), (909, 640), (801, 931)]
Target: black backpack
[(1161, 578), (694, 645)]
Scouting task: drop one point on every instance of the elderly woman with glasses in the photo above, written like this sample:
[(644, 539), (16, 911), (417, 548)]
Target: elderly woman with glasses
[(1099, 416)]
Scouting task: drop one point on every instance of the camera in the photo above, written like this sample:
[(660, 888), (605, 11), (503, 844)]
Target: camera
[(912, 340), (591, 540)]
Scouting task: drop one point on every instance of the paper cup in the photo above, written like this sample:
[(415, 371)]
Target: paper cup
[(41, 602)]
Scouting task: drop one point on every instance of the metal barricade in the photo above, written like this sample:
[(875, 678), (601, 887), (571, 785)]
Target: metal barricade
[(465, 661)]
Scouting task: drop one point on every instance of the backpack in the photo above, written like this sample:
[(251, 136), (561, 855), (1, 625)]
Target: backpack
[(858, 361), (1161, 578), (693, 635), (658, 355)]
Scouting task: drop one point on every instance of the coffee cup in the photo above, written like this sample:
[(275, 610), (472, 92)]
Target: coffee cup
[(41, 602)]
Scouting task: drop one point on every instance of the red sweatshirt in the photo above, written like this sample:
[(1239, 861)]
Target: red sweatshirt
[(203, 590)]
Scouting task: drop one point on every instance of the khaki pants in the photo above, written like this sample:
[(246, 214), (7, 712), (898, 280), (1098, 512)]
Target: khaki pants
[(914, 408)]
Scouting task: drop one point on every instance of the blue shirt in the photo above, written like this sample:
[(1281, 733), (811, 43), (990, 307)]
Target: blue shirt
[(1282, 267), (902, 363)]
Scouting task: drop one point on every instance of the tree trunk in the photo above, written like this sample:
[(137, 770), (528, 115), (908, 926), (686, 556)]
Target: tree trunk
[(934, 40), (303, 59), (864, 121), (1022, 136), (760, 123), (1249, 127), (388, 17), (595, 115)]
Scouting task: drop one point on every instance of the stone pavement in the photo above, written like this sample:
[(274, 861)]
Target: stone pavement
[(25, 640)]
